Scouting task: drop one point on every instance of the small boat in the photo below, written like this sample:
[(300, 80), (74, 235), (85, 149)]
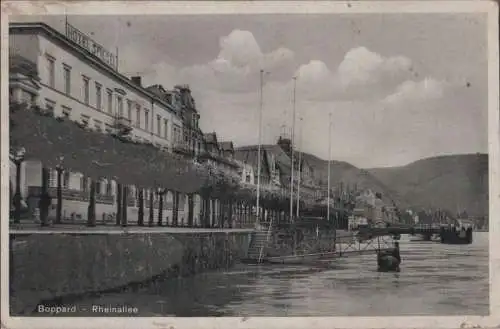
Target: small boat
[(454, 235), (389, 261)]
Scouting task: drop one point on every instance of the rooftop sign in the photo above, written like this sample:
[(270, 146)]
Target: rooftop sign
[(78, 37)]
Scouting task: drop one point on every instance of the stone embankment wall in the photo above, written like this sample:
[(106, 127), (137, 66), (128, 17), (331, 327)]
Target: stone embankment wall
[(48, 266)]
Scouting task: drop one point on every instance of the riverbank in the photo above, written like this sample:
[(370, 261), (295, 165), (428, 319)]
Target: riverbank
[(47, 267), (32, 228)]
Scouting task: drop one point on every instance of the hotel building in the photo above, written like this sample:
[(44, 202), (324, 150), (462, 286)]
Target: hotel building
[(73, 76)]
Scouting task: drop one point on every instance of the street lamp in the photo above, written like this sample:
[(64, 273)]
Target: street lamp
[(59, 171), (18, 159)]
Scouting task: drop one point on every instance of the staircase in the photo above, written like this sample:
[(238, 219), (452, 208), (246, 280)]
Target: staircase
[(258, 244)]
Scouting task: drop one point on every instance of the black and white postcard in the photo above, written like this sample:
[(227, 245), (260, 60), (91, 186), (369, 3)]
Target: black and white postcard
[(250, 164)]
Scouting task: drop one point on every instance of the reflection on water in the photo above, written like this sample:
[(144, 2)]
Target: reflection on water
[(435, 279)]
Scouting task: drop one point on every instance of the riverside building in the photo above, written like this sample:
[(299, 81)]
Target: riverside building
[(72, 76)]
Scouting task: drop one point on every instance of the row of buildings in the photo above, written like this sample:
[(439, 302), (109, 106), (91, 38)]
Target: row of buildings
[(72, 76)]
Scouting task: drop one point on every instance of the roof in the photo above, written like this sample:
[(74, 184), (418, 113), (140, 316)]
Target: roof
[(226, 146), (39, 27), (249, 154), (210, 137), (20, 64)]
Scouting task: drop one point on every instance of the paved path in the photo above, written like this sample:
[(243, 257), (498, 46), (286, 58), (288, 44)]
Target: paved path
[(32, 228)]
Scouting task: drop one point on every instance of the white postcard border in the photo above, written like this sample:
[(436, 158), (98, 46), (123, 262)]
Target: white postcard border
[(264, 7)]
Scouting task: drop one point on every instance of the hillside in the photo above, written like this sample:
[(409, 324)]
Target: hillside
[(341, 172), (456, 182), (352, 176)]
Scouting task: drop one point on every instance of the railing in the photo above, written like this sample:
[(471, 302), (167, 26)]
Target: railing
[(267, 240)]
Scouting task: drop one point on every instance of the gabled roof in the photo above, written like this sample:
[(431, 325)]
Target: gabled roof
[(210, 138), (226, 146), (249, 154)]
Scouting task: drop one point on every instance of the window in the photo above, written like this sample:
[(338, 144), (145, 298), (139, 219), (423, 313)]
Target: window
[(195, 120), (84, 183), (98, 96), (146, 120), (138, 116), (110, 101), (51, 70), (165, 128), (50, 105), (119, 101), (175, 133), (109, 188), (158, 125), (129, 110), (67, 79), (98, 188), (66, 111), (98, 125), (52, 178), (86, 90), (65, 180)]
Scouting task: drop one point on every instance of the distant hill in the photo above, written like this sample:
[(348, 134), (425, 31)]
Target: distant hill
[(454, 183), (341, 172), (351, 176)]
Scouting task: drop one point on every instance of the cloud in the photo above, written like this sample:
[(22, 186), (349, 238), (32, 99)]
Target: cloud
[(361, 75), (413, 91), (236, 67), (365, 92)]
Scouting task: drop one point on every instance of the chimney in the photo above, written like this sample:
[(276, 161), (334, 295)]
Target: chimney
[(137, 80)]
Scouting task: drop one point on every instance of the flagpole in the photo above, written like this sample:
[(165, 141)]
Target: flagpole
[(292, 147), (261, 104), (329, 160), (300, 170)]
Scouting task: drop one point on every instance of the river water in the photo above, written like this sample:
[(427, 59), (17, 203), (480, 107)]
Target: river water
[(435, 279)]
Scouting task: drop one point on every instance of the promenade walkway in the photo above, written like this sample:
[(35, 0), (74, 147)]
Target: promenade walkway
[(33, 228)]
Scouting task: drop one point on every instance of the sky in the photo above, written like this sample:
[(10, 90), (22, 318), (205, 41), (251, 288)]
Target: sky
[(398, 87)]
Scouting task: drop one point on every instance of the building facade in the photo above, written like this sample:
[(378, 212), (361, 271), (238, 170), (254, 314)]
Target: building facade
[(72, 76)]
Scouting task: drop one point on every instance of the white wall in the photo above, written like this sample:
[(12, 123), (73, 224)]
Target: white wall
[(36, 48)]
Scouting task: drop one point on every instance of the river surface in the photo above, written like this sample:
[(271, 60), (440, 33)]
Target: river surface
[(435, 279)]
